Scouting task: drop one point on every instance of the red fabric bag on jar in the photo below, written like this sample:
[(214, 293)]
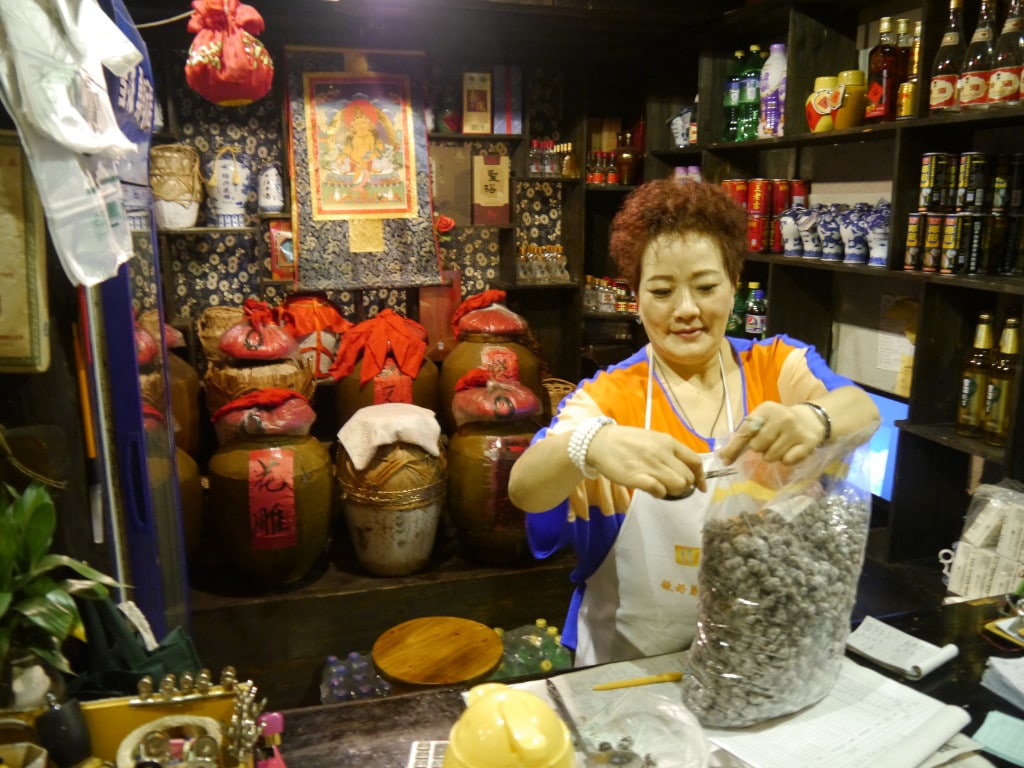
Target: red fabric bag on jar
[(226, 63)]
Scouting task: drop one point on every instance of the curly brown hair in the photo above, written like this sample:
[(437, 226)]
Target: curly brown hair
[(666, 206)]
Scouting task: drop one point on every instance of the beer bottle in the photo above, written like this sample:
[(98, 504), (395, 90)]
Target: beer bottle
[(999, 392), (970, 411)]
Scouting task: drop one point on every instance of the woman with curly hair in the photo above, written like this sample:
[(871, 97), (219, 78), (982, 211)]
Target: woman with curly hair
[(613, 475)]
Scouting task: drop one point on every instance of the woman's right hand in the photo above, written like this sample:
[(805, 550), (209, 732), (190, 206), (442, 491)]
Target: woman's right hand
[(650, 461)]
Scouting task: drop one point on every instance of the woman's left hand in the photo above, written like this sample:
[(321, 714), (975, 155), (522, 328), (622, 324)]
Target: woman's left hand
[(786, 433)]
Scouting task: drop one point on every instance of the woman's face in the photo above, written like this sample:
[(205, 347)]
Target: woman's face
[(685, 297)]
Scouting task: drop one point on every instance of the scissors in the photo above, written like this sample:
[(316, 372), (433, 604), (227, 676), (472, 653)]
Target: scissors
[(723, 472)]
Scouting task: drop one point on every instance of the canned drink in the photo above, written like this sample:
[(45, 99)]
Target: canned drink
[(974, 244), (781, 196), (799, 189), (905, 98), (915, 232), (938, 176), (993, 244), (757, 233), (759, 197), (952, 230), (932, 253), (1013, 256), (737, 189), (972, 181)]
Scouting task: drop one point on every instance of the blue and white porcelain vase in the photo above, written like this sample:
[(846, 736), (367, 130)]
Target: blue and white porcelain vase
[(270, 189), (228, 183)]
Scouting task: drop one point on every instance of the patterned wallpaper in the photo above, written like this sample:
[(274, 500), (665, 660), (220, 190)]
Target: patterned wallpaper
[(224, 268)]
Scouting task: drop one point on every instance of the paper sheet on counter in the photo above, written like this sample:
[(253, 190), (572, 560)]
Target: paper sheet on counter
[(897, 650)]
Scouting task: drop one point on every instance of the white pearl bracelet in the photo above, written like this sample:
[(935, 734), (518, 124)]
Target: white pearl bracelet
[(579, 443)]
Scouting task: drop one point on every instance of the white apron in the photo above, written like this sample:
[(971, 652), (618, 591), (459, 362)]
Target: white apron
[(642, 599)]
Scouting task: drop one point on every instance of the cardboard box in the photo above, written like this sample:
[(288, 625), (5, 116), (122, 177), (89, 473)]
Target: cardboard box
[(1011, 536), (960, 572), (476, 102), (451, 182), (984, 528), (983, 568), (491, 190), (508, 100)]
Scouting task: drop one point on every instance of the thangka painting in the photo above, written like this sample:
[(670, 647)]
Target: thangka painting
[(359, 169), (362, 158)]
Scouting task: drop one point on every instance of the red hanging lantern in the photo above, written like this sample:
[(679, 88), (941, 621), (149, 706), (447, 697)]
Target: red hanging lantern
[(227, 64)]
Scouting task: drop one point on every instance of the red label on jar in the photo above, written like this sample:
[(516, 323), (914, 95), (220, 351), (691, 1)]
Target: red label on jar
[(391, 385), (501, 362), (272, 499)]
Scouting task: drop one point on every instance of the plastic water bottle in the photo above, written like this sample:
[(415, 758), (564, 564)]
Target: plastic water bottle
[(750, 96), (771, 120)]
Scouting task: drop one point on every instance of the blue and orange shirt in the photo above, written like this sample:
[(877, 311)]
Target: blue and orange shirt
[(779, 369)]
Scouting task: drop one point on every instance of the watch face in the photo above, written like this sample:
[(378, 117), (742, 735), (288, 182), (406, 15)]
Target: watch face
[(156, 745), (205, 748)]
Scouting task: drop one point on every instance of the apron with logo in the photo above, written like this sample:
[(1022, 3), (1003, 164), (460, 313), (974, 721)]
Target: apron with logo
[(642, 599)]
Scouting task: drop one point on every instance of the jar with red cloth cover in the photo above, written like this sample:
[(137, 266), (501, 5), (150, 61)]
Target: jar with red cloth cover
[(317, 325), (383, 360), (495, 423), (270, 486), (489, 336)]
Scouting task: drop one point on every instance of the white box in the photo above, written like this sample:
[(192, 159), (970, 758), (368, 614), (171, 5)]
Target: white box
[(960, 571), (983, 567), (984, 529), (1007, 576), (1011, 535)]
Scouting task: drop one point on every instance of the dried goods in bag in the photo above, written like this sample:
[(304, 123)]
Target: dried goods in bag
[(782, 554)]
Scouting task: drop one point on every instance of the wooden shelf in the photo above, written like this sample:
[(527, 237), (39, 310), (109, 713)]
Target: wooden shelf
[(439, 136), (946, 434), (506, 285), (196, 231)]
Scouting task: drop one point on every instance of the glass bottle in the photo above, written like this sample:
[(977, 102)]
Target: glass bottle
[(978, 60), (626, 160), (750, 96), (731, 98), (970, 410), (906, 96), (882, 76), (904, 43), (999, 403), (1004, 79), (949, 59), (737, 320)]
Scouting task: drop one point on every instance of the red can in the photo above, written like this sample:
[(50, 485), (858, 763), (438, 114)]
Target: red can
[(759, 193), (737, 190), (781, 195), (757, 233), (798, 191)]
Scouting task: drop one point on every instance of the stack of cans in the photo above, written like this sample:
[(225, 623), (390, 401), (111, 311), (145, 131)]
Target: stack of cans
[(969, 216), (764, 200)]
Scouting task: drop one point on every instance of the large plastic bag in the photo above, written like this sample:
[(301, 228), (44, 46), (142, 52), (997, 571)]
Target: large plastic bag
[(782, 554)]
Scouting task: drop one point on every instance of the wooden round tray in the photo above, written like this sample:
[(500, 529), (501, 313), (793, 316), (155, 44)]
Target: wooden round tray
[(437, 650)]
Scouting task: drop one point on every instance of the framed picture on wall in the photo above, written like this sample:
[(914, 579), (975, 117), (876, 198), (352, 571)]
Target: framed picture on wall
[(24, 311)]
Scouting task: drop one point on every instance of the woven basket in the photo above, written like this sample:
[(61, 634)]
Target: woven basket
[(556, 389), (224, 383), (211, 326)]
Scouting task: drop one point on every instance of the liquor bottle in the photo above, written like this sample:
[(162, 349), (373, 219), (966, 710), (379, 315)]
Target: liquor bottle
[(750, 96), (772, 90), (738, 318), (756, 318), (882, 82), (906, 96), (999, 403), (945, 74), (692, 132), (731, 98), (1004, 80), (978, 60), (970, 410), (904, 48)]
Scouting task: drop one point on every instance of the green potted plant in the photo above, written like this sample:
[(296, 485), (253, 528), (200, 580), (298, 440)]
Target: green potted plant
[(37, 587)]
